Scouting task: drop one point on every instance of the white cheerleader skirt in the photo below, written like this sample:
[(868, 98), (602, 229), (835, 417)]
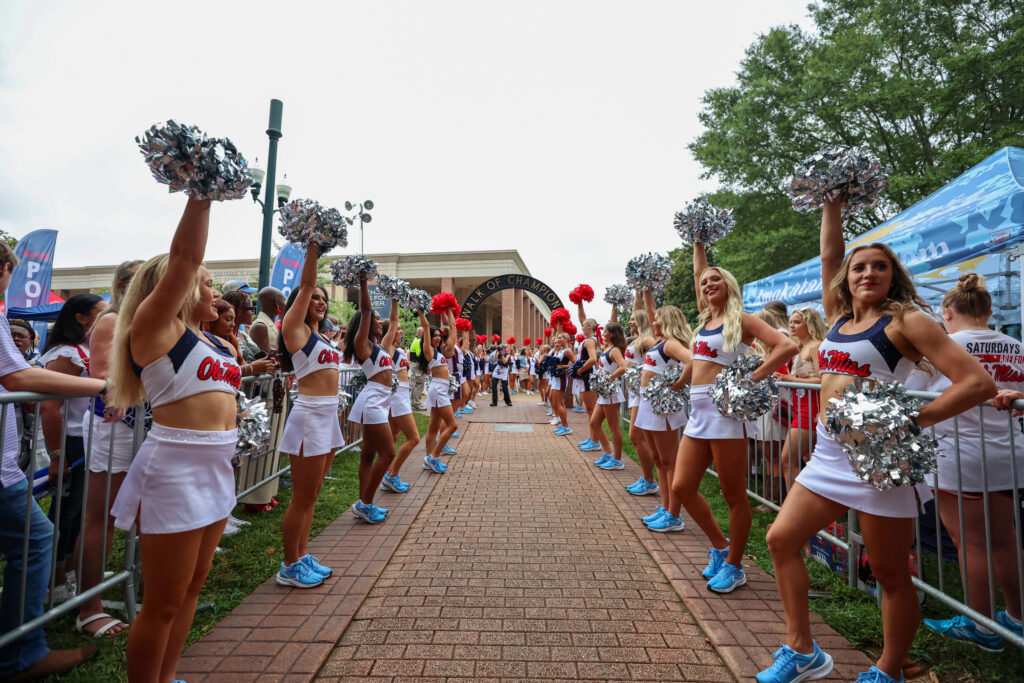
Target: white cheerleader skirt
[(707, 422), (372, 405), (180, 480), (612, 400), (830, 476), (401, 401), (634, 399), (647, 419), (578, 386), (437, 393), (312, 427), (109, 448)]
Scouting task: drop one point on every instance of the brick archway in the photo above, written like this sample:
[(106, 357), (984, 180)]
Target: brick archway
[(495, 284)]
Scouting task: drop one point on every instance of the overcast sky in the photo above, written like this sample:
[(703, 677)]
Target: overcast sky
[(555, 128)]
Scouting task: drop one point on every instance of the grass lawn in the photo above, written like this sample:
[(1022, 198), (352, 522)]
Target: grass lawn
[(250, 557)]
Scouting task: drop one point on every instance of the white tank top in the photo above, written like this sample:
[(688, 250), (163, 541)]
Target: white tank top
[(400, 359), (628, 355), (709, 345), (191, 367), (865, 354), (656, 360), (605, 362), (316, 355), (378, 362), (437, 361)]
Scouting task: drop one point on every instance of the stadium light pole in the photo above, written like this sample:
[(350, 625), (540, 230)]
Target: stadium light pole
[(363, 216)]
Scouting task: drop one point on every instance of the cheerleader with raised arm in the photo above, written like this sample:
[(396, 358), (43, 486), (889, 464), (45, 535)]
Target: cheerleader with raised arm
[(372, 405), (878, 332), (612, 362), (588, 353), (544, 375), (400, 415), (437, 350), (641, 340), (724, 334), (562, 356)]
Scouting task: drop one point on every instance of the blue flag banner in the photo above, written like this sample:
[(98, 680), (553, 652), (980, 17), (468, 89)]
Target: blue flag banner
[(977, 214), (30, 282), (287, 268), (380, 303)]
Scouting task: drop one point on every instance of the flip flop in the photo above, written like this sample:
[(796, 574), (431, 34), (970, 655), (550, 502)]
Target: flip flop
[(80, 624)]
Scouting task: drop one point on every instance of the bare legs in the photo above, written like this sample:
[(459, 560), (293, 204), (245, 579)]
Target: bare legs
[(94, 551), (798, 447), (307, 479), (377, 441), (442, 426), (558, 405), (639, 441), (609, 414), (405, 424), (664, 446)]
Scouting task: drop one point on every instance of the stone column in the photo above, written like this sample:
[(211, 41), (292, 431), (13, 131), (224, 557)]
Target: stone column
[(448, 284), (517, 314), (508, 313)]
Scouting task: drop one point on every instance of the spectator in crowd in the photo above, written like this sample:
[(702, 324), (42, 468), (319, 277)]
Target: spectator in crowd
[(236, 286), (28, 658), (242, 303), (772, 427), (112, 440), (224, 327), (417, 375), (264, 330), (24, 337), (807, 328), (67, 352)]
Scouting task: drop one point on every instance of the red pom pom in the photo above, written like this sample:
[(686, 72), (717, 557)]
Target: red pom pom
[(559, 316), (600, 339), (495, 337), (569, 328), (510, 340), (481, 338), (580, 337), (582, 293), (445, 301), (539, 341), (548, 331), (463, 324)]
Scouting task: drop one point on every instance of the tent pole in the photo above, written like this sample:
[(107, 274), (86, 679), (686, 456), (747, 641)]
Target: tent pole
[(1015, 255)]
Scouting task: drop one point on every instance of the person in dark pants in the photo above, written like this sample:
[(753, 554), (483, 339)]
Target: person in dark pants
[(502, 364)]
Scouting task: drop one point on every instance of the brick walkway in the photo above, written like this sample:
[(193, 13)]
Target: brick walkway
[(522, 562)]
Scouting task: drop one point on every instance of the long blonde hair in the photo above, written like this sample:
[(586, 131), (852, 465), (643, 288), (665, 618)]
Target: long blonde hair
[(674, 325), (643, 329), (732, 332), (125, 386), (770, 317), (969, 297), (902, 297), (122, 276), (815, 323)]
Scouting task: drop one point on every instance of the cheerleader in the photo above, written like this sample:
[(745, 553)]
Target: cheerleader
[(180, 487), (641, 340), (436, 354), (531, 370), (671, 349), (544, 375), (588, 353), (613, 362), (400, 415), (724, 334), (879, 331), (562, 356), (311, 433), (371, 407)]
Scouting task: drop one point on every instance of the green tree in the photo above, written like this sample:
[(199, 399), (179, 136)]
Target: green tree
[(11, 240), (931, 86)]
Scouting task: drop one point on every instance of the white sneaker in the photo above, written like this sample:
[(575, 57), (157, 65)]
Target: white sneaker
[(238, 522), (542, 403), (554, 421)]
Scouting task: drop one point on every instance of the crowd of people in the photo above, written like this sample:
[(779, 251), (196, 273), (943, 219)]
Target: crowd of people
[(169, 341)]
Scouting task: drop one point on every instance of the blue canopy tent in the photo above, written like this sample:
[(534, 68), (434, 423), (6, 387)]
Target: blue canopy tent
[(45, 313), (975, 215)]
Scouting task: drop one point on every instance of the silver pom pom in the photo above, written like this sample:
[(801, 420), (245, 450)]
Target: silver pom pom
[(873, 421), (346, 271), (344, 402), (394, 382), (417, 300), (649, 271), (618, 295), (633, 375), (737, 396), (453, 384), (391, 287), (659, 393), (183, 158), (305, 220), (833, 171), (356, 384), (602, 384), (253, 426), (702, 223)]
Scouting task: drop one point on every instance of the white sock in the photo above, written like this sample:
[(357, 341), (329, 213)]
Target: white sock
[(982, 629)]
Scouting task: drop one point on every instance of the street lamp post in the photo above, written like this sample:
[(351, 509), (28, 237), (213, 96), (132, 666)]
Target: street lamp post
[(363, 216), (283, 191)]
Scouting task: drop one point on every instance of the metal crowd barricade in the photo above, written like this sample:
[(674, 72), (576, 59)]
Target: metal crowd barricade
[(256, 470)]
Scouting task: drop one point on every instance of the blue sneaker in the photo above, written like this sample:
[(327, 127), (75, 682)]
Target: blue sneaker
[(646, 488), (716, 558), (876, 675), (365, 512), (1003, 618), (657, 515), (591, 447), (314, 564), (963, 628), (389, 484), (602, 460), (728, 578), (298, 575), (635, 486), (380, 510), (568, 430), (793, 667), (612, 464), (578, 409), (448, 450), (454, 435), (399, 484), (667, 523), (585, 442), (434, 465), (559, 430), (458, 413)]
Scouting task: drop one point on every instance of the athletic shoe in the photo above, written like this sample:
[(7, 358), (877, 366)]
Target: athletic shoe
[(568, 430), (602, 460), (542, 403), (298, 575), (454, 435), (667, 523), (365, 512), (399, 484), (1003, 618), (613, 464), (388, 484), (314, 564), (586, 442), (577, 409), (635, 485), (963, 628), (559, 430), (458, 413), (448, 450), (716, 558), (380, 510), (551, 411), (645, 488), (433, 464), (512, 393), (554, 421), (728, 578), (657, 515), (591, 447), (876, 675), (793, 667)]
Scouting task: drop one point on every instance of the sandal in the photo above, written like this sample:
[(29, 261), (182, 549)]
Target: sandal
[(101, 632)]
